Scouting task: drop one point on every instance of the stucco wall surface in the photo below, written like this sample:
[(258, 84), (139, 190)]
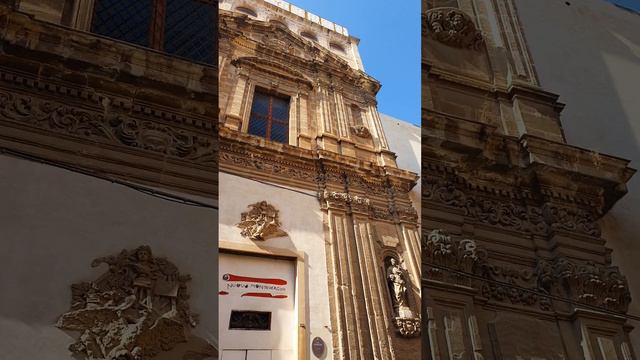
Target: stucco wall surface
[(302, 219), (588, 52), (54, 222)]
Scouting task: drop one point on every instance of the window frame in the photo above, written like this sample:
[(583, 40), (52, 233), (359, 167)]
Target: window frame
[(157, 27), (269, 117)]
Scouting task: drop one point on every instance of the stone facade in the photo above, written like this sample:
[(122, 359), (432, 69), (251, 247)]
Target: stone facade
[(514, 262), (343, 204), (602, 112), (95, 136)]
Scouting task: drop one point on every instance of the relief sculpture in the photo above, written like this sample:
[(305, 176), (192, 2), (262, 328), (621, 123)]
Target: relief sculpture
[(134, 311), (453, 27), (261, 222)]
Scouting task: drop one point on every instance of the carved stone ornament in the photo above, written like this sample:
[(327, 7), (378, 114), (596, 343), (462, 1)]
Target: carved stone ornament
[(261, 222), (405, 320), (360, 131), (446, 260), (408, 327), (134, 311), (453, 27)]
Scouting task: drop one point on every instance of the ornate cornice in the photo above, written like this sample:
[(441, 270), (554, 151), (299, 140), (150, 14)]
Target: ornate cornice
[(479, 160), (341, 182)]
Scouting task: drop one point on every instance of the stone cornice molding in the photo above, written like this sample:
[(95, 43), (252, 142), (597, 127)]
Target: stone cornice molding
[(514, 89), (528, 167), (342, 182)]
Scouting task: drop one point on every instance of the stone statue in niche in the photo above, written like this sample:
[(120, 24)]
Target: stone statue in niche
[(137, 309), (406, 321), (397, 284), (261, 222)]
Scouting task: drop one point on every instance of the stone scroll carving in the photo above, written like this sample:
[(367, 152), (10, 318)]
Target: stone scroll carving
[(405, 320), (261, 222), (453, 27), (136, 310)]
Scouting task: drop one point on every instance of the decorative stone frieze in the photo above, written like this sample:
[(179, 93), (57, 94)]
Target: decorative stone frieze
[(136, 310), (261, 222), (453, 27), (509, 215), (464, 263), (588, 283)]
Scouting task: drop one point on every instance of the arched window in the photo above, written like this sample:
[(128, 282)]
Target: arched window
[(184, 28), (337, 47), (247, 10), (309, 35)]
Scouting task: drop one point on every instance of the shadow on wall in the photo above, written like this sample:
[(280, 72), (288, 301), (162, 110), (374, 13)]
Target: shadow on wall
[(588, 52)]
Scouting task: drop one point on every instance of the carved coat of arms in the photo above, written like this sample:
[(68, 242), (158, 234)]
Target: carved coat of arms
[(261, 222), (134, 311)]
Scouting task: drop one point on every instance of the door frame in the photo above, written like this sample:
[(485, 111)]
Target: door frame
[(227, 247)]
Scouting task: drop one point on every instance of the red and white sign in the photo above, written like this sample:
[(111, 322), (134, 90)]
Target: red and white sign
[(252, 283)]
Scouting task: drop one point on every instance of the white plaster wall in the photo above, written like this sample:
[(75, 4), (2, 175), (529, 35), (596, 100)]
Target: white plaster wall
[(405, 140), (302, 219), (589, 53), (54, 222)]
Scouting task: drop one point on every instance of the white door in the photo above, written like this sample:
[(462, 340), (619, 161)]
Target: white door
[(247, 355), (257, 308)]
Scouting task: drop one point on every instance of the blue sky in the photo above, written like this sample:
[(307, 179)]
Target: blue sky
[(631, 4), (389, 33)]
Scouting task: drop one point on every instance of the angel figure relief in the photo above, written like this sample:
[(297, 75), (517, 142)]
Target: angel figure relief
[(134, 311)]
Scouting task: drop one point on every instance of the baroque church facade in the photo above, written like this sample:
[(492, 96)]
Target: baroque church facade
[(514, 264), (319, 237), (108, 180)]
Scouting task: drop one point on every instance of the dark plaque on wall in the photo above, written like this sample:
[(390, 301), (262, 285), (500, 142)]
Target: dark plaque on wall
[(250, 320), (317, 347)]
